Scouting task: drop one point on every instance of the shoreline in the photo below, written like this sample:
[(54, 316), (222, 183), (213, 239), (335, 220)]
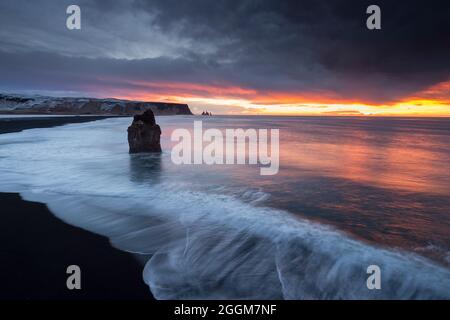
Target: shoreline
[(37, 247), (17, 123)]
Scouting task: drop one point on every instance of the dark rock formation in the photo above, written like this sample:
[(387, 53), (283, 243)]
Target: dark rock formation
[(144, 134)]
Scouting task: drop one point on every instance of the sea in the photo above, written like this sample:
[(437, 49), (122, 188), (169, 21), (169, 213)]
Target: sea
[(351, 193)]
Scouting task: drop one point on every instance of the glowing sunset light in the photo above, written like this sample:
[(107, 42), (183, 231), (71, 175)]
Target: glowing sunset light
[(433, 101)]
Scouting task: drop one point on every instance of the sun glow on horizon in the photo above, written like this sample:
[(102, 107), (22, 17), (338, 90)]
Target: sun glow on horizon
[(432, 102)]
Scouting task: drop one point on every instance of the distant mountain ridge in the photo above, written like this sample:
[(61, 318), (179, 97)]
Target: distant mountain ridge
[(23, 104)]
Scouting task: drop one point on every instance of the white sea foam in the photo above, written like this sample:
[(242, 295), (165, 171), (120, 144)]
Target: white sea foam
[(204, 242)]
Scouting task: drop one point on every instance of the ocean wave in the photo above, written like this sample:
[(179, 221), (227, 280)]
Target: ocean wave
[(208, 247)]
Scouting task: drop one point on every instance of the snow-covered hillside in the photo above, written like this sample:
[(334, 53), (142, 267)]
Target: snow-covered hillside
[(23, 104)]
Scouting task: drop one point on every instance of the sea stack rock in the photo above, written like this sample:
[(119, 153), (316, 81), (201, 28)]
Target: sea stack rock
[(144, 134)]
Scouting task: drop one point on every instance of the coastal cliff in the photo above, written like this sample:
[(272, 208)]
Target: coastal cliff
[(21, 104)]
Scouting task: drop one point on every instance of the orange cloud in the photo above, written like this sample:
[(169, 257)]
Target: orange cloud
[(433, 101)]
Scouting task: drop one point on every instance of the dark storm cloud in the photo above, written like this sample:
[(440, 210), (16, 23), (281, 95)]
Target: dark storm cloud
[(324, 44), (295, 46)]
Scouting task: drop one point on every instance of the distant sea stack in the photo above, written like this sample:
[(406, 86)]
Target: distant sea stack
[(144, 134), (21, 104)]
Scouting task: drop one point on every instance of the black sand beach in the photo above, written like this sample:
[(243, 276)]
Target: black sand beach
[(37, 248), (16, 124)]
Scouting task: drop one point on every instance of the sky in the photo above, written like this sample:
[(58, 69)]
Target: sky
[(299, 57)]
